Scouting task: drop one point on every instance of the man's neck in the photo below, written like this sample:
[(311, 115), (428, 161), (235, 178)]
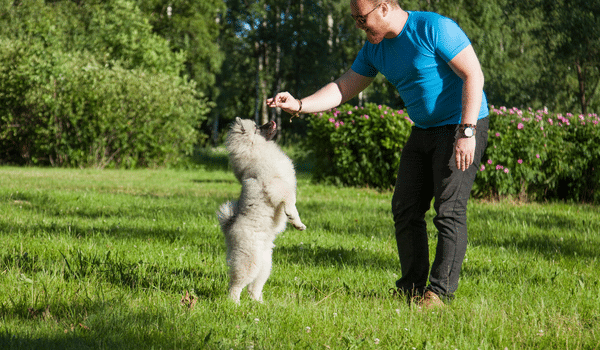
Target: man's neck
[(398, 22)]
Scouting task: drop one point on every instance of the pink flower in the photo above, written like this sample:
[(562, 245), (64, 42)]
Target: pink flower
[(537, 155), (349, 112), (482, 167), (331, 120), (520, 161), (506, 170), (489, 161), (520, 126), (366, 116), (380, 106), (400, 112), (337, 125), (550, 121), (497, 134), (499, 167)]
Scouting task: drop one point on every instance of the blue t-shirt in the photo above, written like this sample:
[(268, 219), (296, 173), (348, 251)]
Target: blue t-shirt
[(415, 62)]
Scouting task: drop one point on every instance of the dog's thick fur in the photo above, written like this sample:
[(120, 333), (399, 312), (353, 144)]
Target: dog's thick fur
[(267, 202)]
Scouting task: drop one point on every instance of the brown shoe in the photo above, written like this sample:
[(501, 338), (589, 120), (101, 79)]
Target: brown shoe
[(429, 301), (412, 297)]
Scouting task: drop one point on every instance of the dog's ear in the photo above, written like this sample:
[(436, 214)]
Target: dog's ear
[(238, 121)]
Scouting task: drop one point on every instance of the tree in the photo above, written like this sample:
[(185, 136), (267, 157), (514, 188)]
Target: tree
[(276, 45), (87, 83), (572, 32), (191, 27)]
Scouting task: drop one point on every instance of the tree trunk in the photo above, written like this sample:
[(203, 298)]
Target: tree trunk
[(581, 79), (259, 69)]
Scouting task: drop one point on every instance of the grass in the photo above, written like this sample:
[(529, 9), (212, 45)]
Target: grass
[(103, 260)]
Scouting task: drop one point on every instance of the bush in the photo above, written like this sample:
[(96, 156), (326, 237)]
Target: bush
[(540, 155), (531, 154), (66, 109), (358, 146)]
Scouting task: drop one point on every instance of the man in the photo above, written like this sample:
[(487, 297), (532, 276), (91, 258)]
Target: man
[(436, 71)]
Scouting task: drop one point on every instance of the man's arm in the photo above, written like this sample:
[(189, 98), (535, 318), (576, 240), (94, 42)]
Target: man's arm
[(466, 65), (331, 95)]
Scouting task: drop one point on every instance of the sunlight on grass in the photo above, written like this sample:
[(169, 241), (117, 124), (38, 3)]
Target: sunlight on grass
[(103, 259)]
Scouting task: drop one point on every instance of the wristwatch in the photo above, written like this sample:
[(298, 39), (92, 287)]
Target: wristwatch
[(467, 130)]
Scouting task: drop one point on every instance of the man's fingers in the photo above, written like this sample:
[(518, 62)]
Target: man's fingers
[(463, 161), (279, 100)]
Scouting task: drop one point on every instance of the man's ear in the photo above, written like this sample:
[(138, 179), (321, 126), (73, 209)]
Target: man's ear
[(385, 8)]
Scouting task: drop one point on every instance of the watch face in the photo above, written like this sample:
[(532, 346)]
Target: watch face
[(468, 132)]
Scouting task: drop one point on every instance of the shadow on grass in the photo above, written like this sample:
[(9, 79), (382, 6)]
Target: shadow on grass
[(211, 159), (224, 181), (204, 278), (549, 234), (311, 255), (99, 326), (168, 206)]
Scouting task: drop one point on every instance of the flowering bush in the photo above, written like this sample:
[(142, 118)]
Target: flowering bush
[(540, 155), (358, 146), (532, 154)]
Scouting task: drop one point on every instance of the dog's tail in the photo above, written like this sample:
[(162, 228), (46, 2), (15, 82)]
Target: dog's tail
[(226, 214)]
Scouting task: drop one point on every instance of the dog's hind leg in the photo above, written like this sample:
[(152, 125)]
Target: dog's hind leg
[(243, 269), (265, 263)]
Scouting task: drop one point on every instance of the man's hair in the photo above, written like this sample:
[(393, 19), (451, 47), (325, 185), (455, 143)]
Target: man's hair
[(393, 3)]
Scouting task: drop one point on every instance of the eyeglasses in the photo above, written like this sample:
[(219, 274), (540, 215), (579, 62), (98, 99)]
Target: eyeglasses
[(362, 19)]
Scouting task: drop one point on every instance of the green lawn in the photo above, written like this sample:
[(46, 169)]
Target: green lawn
[(102, 259)]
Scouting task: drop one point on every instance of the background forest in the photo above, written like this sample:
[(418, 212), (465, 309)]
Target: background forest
[(139, 82)]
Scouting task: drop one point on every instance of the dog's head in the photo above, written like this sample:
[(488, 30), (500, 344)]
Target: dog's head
[(247, 128)]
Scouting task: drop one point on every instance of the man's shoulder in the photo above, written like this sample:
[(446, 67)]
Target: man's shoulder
[(426, 18)]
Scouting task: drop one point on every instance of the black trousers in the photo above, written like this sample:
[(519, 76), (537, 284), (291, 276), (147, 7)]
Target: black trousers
[(428, 171)]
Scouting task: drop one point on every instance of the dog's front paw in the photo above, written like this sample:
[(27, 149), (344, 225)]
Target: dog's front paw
[(300, 227)]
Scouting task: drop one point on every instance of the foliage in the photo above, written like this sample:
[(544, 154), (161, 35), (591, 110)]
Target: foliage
[(67, 109), (528, 51), (89, 84), (532, 154), (358, 146), (191, 28), (541, 155), (571, 33), (281, 45), (113, 32), (135, 260)]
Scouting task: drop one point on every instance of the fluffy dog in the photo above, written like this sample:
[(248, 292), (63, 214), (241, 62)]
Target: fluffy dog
[(267, 202)]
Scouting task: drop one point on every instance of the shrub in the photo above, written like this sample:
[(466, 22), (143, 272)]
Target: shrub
[(358, 146), (540, 155), (532, 154), (66, 109)]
